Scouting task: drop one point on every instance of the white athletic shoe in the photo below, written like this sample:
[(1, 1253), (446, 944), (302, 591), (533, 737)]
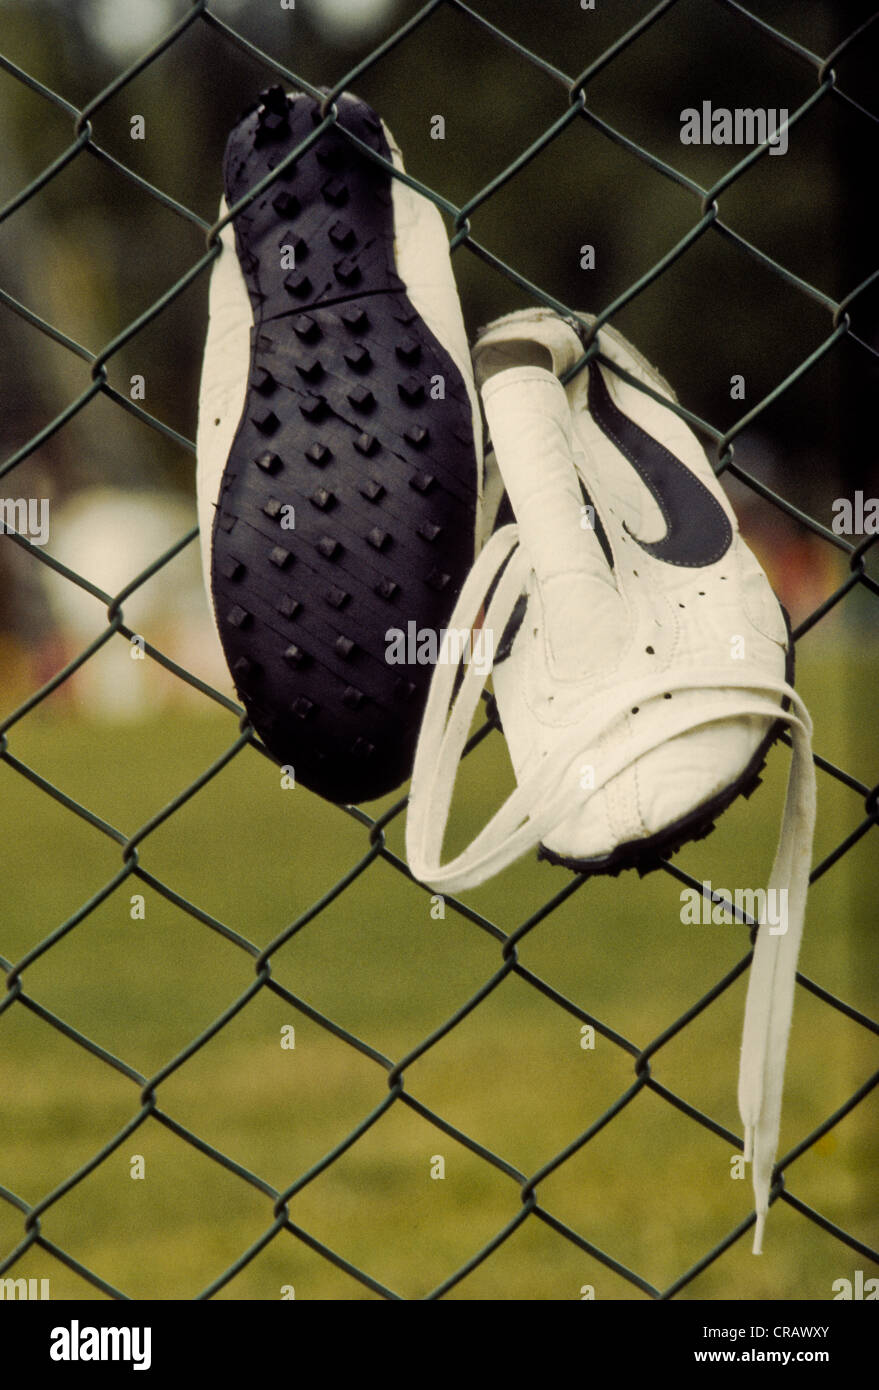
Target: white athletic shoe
[(642, 661), (339, 442)]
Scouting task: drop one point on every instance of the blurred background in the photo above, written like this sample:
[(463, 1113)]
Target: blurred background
[(89, 253)]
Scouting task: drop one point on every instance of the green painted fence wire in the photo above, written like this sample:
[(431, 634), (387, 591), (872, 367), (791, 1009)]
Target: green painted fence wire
[(707, 222)]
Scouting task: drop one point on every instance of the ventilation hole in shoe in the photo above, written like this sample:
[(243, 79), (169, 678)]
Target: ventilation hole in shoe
[(723, 576), (635, 573), (666, 696), (682, 605), (649, 651), (635, 709), (701, 593)]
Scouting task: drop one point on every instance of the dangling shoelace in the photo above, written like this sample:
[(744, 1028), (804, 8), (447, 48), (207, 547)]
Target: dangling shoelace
[(542, 800)]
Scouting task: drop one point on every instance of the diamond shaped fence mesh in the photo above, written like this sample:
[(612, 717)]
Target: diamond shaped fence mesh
[(526, 1094)]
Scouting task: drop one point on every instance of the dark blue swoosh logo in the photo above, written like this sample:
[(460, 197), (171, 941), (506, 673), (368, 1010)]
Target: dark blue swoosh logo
[(698, 530)]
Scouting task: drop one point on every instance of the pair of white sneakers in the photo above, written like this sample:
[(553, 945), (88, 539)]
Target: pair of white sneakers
[(642, 664)]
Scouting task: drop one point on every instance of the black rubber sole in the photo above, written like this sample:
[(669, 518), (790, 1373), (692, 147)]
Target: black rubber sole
[(648, 854), (358, 430)]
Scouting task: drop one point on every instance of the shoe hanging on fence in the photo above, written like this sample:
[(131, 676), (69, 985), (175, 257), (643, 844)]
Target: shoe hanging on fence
[(339, 443), (642, 666)]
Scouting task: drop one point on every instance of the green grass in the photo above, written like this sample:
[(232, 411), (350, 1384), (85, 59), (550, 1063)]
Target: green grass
[(653, 1189)]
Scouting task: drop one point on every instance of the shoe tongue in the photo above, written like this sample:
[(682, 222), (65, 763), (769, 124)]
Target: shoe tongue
[(530, 426)]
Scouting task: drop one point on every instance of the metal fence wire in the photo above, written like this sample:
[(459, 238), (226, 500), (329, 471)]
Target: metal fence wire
[(525, 1188)]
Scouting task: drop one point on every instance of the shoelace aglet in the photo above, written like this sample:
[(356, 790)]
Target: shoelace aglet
[(757, 1248)]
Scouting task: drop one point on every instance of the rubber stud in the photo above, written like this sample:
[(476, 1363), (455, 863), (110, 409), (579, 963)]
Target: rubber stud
[(347, 271), (361, 748), (310, 368), (296, 244), (337, 597), (231, 568), (263, 381), (345, 648), (353, 698), (438, 580), (288, 606), (313, 407), (429, 530), (280, 557), (274, 98), (422, 482), (303, 707), (322, 499), (387, 589), (336, 192), (306, 328), (372, 490), (366, 444), (411, 390), (295, 656), (359, 358), (272, 508), (329, 547), (409, 351), (342, 235), (332, 156), (270, 126), (268, 462), (297, 284), (266, 421), (285, 204), (403, 689), (318, 454), (238, 617), (378, 539), (355, 319), (243, 668), (362, 399)]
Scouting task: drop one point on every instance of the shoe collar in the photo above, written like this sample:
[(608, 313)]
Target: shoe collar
[(528, 337)]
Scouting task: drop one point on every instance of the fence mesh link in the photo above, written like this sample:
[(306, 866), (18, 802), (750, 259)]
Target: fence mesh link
[(843, 329)]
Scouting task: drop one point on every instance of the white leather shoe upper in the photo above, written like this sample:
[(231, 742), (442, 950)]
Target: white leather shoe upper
[(581, 637)]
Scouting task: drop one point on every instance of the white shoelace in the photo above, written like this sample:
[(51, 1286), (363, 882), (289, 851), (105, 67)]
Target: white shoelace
[(542, 800)]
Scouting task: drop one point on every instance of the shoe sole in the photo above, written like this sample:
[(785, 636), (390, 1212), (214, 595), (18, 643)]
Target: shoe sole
[(347, 505)]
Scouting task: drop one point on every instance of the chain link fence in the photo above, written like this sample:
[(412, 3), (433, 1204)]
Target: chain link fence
[(391, 1088)]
